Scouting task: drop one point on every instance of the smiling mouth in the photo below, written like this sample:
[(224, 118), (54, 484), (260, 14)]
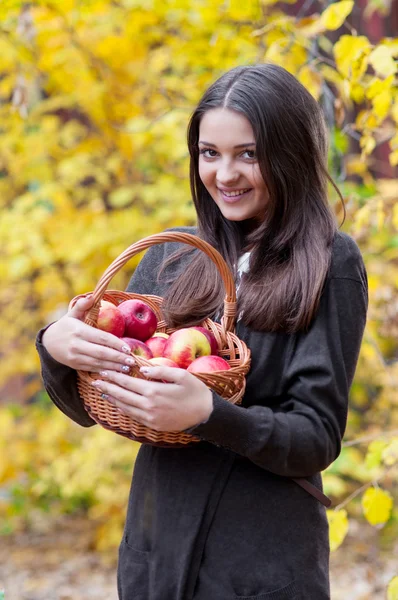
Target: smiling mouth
[(235, 193)]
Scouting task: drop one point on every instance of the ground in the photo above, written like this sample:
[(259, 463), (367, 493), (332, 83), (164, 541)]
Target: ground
[(60, 564)]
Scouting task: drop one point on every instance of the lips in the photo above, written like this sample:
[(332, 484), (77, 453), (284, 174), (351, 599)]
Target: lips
[(234, 195)]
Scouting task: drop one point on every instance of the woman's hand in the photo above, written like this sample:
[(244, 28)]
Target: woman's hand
[(179, 401), (82, 347)]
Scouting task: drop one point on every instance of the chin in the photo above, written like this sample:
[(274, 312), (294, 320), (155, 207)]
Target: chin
[(238, 218)]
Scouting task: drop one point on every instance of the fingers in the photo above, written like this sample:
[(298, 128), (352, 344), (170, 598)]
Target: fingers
[(102, 338), (85, 363), (166, 374), (131, 403), (96, 357), (81, 307)]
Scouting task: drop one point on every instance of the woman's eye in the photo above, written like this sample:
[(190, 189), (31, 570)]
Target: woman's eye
[(207, 152), (250, 154)]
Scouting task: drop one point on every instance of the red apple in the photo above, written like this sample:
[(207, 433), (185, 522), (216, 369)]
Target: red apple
[(110, 319), (211, 337), (137, 347), (161, 360), (156, 344), (141, 321), (184, 345), (207, 364)]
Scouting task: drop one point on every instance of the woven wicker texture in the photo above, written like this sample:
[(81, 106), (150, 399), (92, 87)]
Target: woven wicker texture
[(228, 384)]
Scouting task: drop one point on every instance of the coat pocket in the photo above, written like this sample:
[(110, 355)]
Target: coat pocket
[(132, 572), (288, 592)]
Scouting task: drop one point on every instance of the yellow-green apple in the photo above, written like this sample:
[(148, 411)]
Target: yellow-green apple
[(207, 364), (161, 360), (211, 337), (156, 343), (138, 347), (161, 334), (110, 319), (184, 345), (141, 321)]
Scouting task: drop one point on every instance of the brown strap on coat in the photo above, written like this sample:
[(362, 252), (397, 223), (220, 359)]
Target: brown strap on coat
[(314, 491)]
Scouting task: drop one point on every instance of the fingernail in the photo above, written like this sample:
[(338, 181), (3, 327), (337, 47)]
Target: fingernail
[(96, 383), (104, 374), (104, 396), (126, 349), (125, 369), (145, 370), (130, 361)]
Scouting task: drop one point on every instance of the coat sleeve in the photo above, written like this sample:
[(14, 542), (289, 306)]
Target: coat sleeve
[(302, 435), (60, 381)]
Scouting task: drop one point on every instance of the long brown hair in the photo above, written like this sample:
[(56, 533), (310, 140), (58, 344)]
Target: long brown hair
[(291, 247)]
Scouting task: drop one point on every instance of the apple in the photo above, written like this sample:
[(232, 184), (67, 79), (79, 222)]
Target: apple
[(211, 337), (161, 334), (184, 345), (156, 343), (207, 364), (110, 319), (138, 347), (106, 303), (161, 360), (141, 321)]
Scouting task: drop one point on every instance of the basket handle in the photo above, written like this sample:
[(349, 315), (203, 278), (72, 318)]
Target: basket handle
[(228, 319)]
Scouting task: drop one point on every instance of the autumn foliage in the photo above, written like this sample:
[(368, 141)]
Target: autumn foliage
[(94, 103)]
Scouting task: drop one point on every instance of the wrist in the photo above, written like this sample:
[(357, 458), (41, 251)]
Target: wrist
[(45, 337), (207, 406)]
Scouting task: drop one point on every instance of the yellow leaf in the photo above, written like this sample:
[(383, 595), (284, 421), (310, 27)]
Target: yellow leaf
[(392, 590), (381, 104), (378, 86), (368, 144), (394, 111), (335, 14), (357, 93), (380, 214), (382, 60), (377, 505), (311, 25), (394, 158), (374, 454), (311, 80), (390, 454), (348, 49), (338, 527)]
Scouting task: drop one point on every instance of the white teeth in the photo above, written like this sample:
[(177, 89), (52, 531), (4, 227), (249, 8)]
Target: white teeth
[(235, 193)]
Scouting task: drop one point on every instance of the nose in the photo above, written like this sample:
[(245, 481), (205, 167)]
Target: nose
[(227, 173)]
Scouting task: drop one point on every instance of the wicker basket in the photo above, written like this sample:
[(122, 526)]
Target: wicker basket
[(229, 384)]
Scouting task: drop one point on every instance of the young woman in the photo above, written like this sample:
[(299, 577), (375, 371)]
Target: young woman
[(224, 518)]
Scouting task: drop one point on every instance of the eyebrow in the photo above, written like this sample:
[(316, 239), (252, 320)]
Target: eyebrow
[(238, 146)]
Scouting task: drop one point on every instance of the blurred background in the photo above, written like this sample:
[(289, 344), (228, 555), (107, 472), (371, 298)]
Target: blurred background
[(95, 96)]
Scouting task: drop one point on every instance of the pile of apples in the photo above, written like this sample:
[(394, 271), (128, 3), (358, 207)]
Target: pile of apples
[(192, 348)]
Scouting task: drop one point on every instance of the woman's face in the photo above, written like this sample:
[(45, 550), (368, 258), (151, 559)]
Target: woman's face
[(228, 165)]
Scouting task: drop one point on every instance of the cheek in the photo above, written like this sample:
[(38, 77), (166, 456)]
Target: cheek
[(258, 180), (206, 173)]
